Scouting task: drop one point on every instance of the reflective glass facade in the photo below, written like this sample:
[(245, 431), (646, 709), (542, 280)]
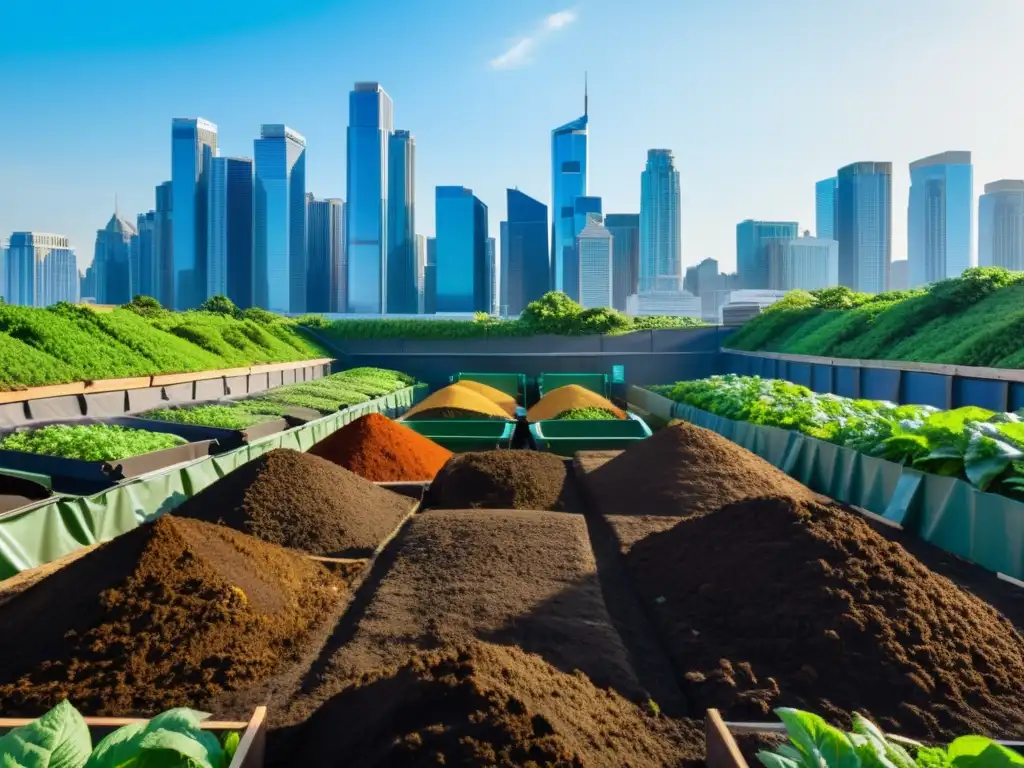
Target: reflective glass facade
[(163, 246), (113, 261), (568, 181), (864, 226), (1001, 225), (40, 269), (193, 147), (752, 238), (661, 262), (461, 250), (421, 272), (430, 278), (803, 263), (370, 124), (323, 241), (401, 295), (940, 217), (527, 274), (144, 278), (229, 262), (825, 208), (625, 228), (279, 271), (595, 246)]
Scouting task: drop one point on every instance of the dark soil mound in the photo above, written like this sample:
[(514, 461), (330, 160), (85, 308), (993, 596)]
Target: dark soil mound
[(377, 448), (778, 602), (301, 501), (684, 470), (482, 705), (505, 480), (167, 615)]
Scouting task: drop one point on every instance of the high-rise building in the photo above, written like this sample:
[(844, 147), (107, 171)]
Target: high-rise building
[(112, 261), (87, 285), (1001, 225), (825, 208), (661, 264), (461, 223), (526, 276), (400, 297), (430, 278), (493, 276), (40, 269), (163, 245), (595, 246), (940, 217), (503, 259), (229, 238), (752, 238), (568, 181), (4, 246), (279, 220), (421, 273), (143, 277), (898, 275), (193, 147), (625, 228), (803, 263), (864, 226), (370, 125), (324, 244)]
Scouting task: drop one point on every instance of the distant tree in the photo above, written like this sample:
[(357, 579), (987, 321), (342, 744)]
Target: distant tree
[(554, 312), (146, 306), (220, 305)]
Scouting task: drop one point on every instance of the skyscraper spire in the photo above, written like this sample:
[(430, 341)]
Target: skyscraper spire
[(584, 93), (116, 212)]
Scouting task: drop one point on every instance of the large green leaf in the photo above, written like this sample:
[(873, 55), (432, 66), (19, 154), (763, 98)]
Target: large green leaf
[(981, 752), (817, 740), (58, 739)]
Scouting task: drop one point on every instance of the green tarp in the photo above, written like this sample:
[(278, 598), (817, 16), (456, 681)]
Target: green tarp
[(45, 532), (948, 512)]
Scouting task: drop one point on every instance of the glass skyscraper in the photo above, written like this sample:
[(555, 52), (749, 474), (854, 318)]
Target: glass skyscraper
[(143, 278), (493, 276), (279, 264), (193, 147), (527, 274), (661, 262), (401, 266), (430, 278), (752, 238), (421, 272), (803, 263), (163, 246), (625, 228), (461, 223), (112, 261), (864, 226), (595, 246), (229, 263), (1001, 225), (825, 208), (568, 181), (940, 217), (324, 246), (40, 269), (503, 251), (370, 125)]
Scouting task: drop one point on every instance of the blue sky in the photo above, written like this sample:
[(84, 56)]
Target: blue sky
[(757, 99)]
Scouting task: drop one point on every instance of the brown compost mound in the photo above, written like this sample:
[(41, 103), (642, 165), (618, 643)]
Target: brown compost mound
[(505, 480), (782, 602), (167, 615), (483, 705), (296, 500)]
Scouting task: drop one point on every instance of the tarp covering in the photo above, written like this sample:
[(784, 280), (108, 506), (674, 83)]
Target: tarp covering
[(39, 534), (948, 512)]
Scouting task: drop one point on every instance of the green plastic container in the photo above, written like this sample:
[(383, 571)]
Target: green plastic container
[(513, 384), (595, 382), (462, 435), (566, 437)]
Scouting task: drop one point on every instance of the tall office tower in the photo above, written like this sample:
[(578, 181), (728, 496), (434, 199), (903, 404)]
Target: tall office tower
[(864, 226), (145, 225), (370, 125), (568, 181), (503, 260), (41, 269), (430, 278), (163, 246), (461, 223), (339, 271), (527, 274), (582, 208), (595, 246), (1001, 225), (940, 217), (134, 258), (625, 228), (898, 275), (323, 238), (803, 263), (400, 297), (661, 265), (752, 238), (279, 220), (112, 261), (4, 246), (493, 276), (421, 273), (229, 238), (825, 208), (86, 285), (193, 147)]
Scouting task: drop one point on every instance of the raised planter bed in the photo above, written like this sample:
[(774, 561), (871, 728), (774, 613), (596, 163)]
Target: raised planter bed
[(565, 437), (227, 439), (17, 491), (462, 435)]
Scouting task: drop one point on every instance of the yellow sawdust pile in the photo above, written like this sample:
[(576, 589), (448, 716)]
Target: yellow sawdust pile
[(567, 398), (505, 401), (457, 401)]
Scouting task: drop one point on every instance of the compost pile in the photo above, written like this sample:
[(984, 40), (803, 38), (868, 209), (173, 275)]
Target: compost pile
[(784, 602), (505, 480), (167, 615), (296, 500), (483, 705), (457, 402), (505, 401), (379, 449), (571, 397)]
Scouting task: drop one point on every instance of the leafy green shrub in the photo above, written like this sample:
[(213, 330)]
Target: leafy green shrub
[(586, 414), (146, 306), (219, 416), (89, 442), (220, 305), (662, 322), (25, 366)]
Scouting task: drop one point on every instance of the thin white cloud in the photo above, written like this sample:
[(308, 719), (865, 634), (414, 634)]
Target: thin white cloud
[(520, 53)]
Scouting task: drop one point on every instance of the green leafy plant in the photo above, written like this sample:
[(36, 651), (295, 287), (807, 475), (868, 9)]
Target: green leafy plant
[(89, 442), (219, 416), (589, 413)]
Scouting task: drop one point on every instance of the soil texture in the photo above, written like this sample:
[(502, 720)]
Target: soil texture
[(505, 480), (168, 615), (779, 601), (296, 500), (379, 449), (457, 401), (567, 398), (484, 705)]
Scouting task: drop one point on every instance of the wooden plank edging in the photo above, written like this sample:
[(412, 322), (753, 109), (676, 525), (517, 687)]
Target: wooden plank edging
[(719, 745)]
